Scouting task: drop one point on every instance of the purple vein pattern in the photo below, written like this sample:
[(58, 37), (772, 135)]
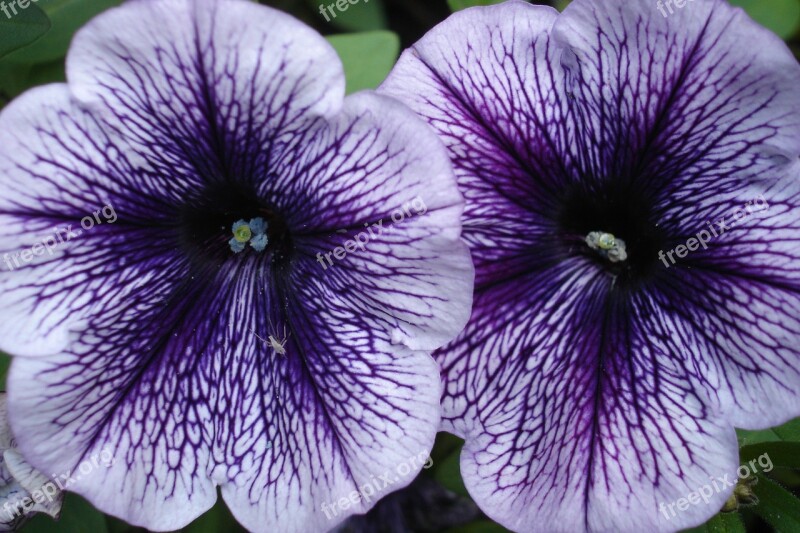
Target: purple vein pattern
[(150, 337), (590, 391)]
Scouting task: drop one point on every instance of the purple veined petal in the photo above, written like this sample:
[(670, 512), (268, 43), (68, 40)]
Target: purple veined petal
[(734, 305), (65, 256), (216, 84), (589, 394), (484, 82), (701, 95), (346, 411), (108, 394), (383, 220), (573, 423), (278, 433), (96, 295), (757, 392), (596, 426)]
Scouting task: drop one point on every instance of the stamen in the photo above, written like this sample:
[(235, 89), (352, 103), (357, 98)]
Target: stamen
[(254, 232), (607, 245), (259, 242), (258, 225), (236, 246), (241, 231)]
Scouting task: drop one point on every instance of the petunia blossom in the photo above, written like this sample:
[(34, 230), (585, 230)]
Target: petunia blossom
[(633, 211), (286, 372)]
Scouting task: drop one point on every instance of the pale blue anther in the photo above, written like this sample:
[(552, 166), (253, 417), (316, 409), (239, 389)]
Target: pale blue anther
[(236, 246), (259, 242), (258, 226)]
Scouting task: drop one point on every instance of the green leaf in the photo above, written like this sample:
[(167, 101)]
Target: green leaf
[(16, 78), (43, 73), (786, 454), (458, 5), (789, 432), (368, 57), (22, 29), (218, 518), (776, 505), (77, 516), (445, 445), (5, 362), (483, 526), (115, 525), (448, 473), (13, 79), (561, 5), (355, 15), (67, 17), (721, 523), (780, 16)]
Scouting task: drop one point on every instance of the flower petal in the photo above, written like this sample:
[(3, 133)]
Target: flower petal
[(215, 84), (483, 80), (344, 410), (734, 312), (665, 100), (380, 216), (579, 413), (66, 256)]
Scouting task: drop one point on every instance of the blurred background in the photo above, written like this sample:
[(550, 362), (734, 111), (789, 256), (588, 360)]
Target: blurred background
[(369, 36)]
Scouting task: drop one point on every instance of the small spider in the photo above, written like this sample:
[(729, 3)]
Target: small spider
[(278, 345)]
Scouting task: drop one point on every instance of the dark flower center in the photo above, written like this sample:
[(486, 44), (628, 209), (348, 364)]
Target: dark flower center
[(614, 213), (228, 222)]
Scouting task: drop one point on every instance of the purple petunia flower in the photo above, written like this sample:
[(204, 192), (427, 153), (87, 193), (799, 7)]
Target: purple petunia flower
[(288, 372), (633, 211)]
